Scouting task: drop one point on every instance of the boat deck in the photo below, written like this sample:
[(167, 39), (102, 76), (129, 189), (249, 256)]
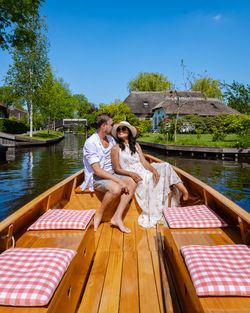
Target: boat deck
[(125, 274)]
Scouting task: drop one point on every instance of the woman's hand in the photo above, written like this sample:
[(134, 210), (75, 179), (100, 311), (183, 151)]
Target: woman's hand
[(135, 177), (156, 176)]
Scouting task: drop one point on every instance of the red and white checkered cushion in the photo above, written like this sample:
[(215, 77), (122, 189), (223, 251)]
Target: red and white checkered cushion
[(196, 216), (29, 277), (63, 219), (219, 270)]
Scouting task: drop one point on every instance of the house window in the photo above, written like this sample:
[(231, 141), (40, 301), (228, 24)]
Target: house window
[(145, 104), (213, 105)]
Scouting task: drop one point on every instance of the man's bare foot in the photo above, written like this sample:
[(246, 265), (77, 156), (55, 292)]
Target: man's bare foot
[(120, 225), (97, 221)]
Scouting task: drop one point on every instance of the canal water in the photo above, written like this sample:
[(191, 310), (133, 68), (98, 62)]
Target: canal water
[(35, 169)]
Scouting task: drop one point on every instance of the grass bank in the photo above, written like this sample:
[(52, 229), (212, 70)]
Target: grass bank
[(230, 141), (43, 135)]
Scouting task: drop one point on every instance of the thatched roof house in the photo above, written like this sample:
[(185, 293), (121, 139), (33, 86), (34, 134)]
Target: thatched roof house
[(192, 102), (141, 103)]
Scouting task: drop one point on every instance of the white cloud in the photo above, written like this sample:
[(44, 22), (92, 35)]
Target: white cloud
[(217, 17)]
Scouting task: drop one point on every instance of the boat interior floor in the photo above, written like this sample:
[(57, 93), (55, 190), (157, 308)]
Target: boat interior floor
[(125, 274)]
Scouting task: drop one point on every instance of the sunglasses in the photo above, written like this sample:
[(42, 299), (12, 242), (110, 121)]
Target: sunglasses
[(123, 128)]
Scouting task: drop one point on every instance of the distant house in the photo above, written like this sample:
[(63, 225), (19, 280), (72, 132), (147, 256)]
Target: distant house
[(158, 105), (190, 102), (17, 113), (141, 103), (6, 112)]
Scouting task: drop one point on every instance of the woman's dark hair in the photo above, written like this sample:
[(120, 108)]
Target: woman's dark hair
[(131, 142)]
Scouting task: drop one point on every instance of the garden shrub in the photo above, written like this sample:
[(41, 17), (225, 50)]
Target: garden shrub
[(145, 126), (12, 126)]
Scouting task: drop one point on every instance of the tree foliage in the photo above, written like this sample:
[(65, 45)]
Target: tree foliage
[(8, 97), (208, 86), (83, 106), (145, 81), (54, 99), (26, 73), (237, 96), (14, 14)]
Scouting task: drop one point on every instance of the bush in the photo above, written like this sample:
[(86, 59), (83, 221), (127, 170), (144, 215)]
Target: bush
[(218, 133), (12, 126), (145, 126)]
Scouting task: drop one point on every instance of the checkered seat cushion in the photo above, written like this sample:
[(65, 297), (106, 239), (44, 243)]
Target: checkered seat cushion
[(196, 216), (219, 270), (29, 277), (63, 219)]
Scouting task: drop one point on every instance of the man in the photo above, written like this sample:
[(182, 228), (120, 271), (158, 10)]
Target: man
[(99, 173)]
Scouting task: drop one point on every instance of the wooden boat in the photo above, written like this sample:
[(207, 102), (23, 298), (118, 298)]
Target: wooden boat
[(114, 272)]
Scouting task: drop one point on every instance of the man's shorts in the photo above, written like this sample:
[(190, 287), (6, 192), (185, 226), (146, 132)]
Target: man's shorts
[(100, 184)]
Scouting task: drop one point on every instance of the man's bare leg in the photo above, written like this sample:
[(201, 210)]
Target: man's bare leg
[(116, 220), (113, 191)]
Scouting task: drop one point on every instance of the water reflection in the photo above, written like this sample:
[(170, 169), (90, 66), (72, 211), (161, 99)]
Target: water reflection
[(35, 169)]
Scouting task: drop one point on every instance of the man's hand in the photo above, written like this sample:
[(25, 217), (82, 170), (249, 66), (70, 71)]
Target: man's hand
[(124, 186), (135, 177)]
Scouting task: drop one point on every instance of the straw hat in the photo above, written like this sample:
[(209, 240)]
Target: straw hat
[(133, 129)]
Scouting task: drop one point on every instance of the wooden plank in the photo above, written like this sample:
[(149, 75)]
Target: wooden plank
[(147, 286), (93, 291), (155, 260), (129, 298), (141, 238), (129, 239), (116, 240), (152, 240), (111, 289), (105, 239), (98, 235)]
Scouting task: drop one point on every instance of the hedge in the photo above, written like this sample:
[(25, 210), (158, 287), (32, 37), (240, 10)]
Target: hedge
[(12, 127)]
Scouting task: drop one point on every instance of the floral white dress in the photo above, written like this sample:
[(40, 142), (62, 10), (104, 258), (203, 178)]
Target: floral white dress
[(150, 197)]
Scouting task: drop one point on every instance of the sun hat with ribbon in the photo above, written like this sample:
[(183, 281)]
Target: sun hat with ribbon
[(133, 129)]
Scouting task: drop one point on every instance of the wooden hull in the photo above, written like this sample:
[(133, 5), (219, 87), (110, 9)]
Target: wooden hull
[(116, 272)]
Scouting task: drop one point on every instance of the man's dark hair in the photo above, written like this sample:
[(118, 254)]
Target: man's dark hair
[(101, 119), (131, 142)]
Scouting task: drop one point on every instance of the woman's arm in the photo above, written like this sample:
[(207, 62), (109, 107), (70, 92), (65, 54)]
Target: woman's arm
[(147, 165), (117, 167)]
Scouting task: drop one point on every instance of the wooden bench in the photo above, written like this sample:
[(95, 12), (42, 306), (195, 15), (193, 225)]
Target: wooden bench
[(188, 301), (69, 290)]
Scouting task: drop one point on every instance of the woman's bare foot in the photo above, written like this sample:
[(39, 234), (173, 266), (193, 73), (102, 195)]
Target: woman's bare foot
[(97, 221), (120, 225)]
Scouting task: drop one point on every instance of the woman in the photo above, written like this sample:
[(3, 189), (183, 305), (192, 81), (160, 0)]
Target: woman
[(153, 180)]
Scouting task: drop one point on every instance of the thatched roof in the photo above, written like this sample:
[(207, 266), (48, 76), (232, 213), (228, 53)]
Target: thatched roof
[(136, 101), (193, 103)]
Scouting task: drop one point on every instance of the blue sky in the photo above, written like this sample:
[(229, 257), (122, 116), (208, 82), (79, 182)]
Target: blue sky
[(98, 46)]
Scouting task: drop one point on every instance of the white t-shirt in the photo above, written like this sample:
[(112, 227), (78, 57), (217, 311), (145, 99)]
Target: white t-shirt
[(93, 152)]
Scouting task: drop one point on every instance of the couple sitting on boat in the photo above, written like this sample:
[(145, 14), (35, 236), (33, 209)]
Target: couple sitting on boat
[(120, 170)]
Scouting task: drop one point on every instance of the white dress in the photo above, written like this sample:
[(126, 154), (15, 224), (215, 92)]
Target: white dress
[(150, 197)]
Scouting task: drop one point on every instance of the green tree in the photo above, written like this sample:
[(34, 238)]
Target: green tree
[(149, 82), (54, 99), (237, 96), (208, 86), (14, 14), (83, 106), (8, 97), (26, 73), (120, 111)]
